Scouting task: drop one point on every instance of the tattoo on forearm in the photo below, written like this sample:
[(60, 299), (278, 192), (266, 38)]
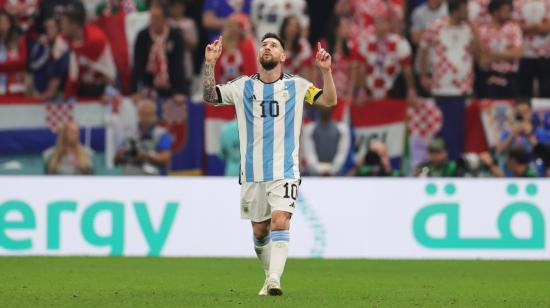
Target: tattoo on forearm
[(209, 85)]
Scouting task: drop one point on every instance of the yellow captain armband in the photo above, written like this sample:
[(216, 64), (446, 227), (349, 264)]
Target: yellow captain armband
[(312, 94)]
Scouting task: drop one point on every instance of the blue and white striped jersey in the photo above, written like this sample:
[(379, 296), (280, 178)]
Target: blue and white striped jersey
[(269, 117)]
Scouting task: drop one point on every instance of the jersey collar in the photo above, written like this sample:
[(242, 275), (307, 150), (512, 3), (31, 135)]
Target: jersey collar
[(258, 77)]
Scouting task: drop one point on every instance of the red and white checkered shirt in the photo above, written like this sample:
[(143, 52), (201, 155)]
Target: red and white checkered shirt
[(294, 63), (501, 39), (384, 60), (450, 50), (478, 11), (534, 12), (365, 11)]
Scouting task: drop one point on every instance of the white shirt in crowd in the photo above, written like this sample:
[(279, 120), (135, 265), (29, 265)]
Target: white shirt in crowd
[(268, 15)]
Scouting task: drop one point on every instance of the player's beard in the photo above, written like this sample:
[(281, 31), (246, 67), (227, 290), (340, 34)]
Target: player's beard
[(268, 64)]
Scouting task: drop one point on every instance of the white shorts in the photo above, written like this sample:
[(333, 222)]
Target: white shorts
[(260, 199)]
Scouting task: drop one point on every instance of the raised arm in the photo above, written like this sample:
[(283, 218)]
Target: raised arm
[(211, 55), (323, 61)]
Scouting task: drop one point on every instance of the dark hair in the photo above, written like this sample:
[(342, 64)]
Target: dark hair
[(75, 12), (330, 36), (495, 5), (165, 9), (520, 155), (523, 101), (273, 36), (13, 31), (296, 40), (455, 5), (182, 2)]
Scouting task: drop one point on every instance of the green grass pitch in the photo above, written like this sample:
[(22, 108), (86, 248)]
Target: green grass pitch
[(212, 282)]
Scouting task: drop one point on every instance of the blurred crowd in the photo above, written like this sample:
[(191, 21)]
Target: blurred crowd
[(381, 49)]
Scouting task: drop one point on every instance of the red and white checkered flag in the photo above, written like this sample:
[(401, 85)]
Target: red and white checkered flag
[(57, 114), (425, 119)]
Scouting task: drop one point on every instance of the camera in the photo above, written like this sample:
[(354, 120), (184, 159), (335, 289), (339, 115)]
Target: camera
[(132, 151), (469, 165), (519, 117)]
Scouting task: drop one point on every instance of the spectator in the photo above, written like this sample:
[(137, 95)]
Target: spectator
[(50, 9), (268, 15), (13, 57), (502, 44), (375, 163), (238, 56), (363, 13), (424, 15), (523, 133), (158, 59), (111, 7), (68, 156), (326, 145), (188, 29), (438, 164), (450, 43), (516, 164), (338, 42), (91, 66), (147, 151), (299, 57), (50, 62), (24, 11), (230, 148), (478, 12), (387, 61), (534, 19), (215, 13)]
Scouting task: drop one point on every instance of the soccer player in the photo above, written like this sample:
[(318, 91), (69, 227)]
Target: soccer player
[(269, 106)]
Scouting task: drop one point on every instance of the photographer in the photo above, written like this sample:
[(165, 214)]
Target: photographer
[(438, 164), (522, 133), (375, 163), (147, 152), (517, 164)]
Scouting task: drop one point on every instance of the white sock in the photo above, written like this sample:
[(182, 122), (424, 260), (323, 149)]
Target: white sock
[(279, 253), (263, 251)]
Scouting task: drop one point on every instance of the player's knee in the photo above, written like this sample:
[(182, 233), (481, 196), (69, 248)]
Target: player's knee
[(280, 221), (260, 230), (259, 234)]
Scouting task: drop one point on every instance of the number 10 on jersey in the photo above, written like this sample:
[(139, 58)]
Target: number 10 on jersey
[(270, 108)]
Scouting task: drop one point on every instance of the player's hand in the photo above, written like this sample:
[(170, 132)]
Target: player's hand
[(322, 58), (213, 51)]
